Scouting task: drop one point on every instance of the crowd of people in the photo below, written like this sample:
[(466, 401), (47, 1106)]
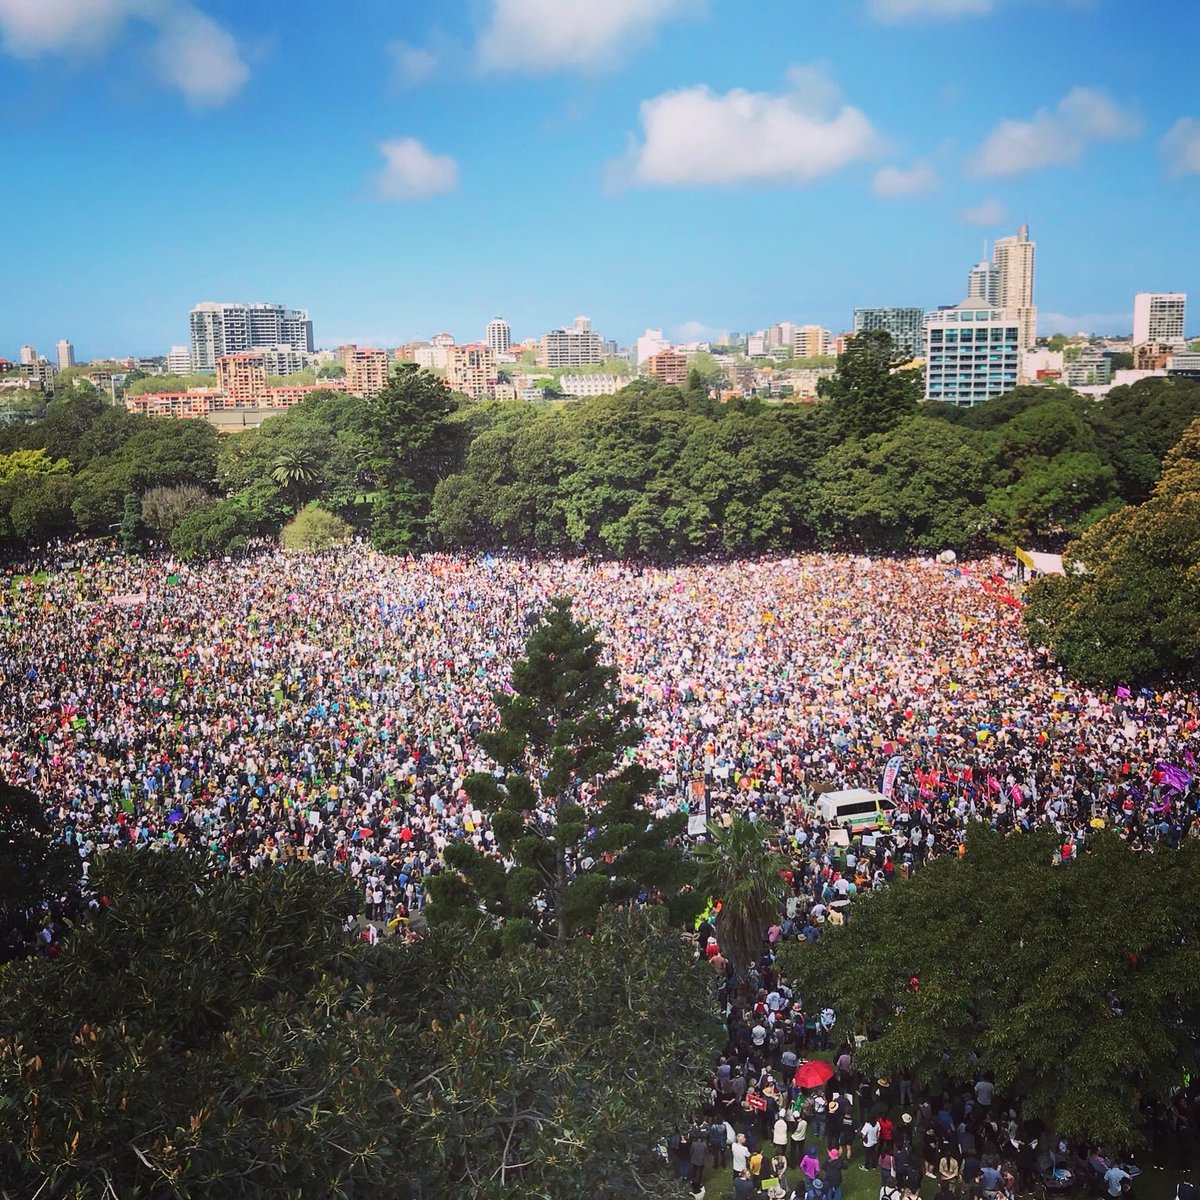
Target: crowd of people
[(329, 706)]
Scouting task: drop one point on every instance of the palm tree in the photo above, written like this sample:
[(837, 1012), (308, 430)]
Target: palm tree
[(295, 472), (739, 869)]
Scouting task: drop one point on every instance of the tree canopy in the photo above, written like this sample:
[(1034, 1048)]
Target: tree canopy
[(1039, 971), (224, 1036), (1128, 607)]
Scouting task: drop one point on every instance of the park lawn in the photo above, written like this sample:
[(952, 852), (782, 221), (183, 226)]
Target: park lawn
[(38, 579)]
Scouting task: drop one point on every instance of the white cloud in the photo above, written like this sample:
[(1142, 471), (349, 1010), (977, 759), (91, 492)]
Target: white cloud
[(1181, 145), (893, 11), (1054, 136), (411, 65), (1051, 323), (34, 27), (190, 51), (695, 137), (554, 35), (698, 331), (990, 212), (200, 58), (896, 181), (411, 172)]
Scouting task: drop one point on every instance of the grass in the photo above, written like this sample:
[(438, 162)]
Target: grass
[(1155, 1183)]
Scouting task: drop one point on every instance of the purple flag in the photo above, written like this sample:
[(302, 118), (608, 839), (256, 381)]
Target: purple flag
[(1123, 693), (1173, 776), (1190, 759)]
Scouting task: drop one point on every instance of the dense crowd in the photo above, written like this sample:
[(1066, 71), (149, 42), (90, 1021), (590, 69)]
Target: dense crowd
[(328, 707)]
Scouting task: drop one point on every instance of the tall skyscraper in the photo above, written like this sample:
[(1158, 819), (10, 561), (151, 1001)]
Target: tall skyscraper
[(220, 329), (983, 282), (906, 325), (66, 354), (29, 356), (1158, 317), (498, 336), (1014, 261)]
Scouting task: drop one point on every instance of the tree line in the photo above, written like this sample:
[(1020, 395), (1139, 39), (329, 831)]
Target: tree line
[(654, 471)]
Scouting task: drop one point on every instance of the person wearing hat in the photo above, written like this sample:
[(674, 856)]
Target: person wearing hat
[(810, 1164), (833, 1176), (833, 1124)]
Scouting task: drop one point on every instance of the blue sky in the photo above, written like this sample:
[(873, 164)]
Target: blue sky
[(404, 167)]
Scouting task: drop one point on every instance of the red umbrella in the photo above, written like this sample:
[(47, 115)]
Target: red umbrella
[(813, 1073)]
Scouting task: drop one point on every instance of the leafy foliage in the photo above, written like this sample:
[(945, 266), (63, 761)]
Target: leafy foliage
[(738, 868), (409, 445), (34, 864), (315, 529), (223, 1036), (1044, 975), (1128, 607)]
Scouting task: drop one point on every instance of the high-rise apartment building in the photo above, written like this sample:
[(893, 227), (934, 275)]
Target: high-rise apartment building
[(1158, 317), (65, 353), (577, 347), (179, 361), (471, 369), (1014, 261), (498, 336), (243, 378), (668, 367), (983, 283), (221, 329), (29, 356), (972, 353), (906, 325), (366, 370)]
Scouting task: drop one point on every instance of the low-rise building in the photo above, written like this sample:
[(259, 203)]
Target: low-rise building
[(580, 387), (1153, 356), (1091, 367)]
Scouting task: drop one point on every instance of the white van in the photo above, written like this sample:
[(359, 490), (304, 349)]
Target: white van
[(856, 809)]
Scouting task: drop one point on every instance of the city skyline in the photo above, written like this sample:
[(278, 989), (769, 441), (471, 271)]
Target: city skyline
[(729, 167)]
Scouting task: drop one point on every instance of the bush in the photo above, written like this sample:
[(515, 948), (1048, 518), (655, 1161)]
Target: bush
[(313, 530)]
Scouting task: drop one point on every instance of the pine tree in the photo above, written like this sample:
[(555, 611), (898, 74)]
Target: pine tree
[(568, 813)]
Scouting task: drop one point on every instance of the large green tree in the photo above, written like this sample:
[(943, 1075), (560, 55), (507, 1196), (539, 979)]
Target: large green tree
[(1041, 972), (870, 391), (921, 486), (409, 445), (568, 809), (1128, 607)]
